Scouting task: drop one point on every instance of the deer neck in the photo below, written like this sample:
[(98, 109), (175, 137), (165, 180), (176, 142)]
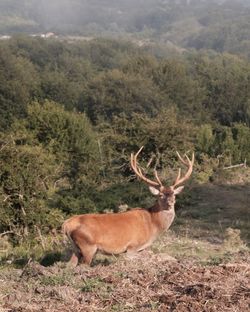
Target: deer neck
[(162, 217)]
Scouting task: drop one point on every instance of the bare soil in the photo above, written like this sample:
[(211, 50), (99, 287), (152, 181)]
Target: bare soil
[(150, 282)]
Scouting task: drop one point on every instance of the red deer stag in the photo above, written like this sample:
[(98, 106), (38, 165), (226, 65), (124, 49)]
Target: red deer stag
[(129, 231)]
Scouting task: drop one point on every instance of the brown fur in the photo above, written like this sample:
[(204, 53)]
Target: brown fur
[(116, 233)]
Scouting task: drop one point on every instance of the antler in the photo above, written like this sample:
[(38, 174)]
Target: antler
[(139, 173), (189, 163)]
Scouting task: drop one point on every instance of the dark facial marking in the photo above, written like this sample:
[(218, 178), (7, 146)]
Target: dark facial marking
[(168, 191)]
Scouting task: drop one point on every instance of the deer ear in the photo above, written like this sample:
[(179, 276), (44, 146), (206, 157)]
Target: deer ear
[(154, 190), (178, 190)]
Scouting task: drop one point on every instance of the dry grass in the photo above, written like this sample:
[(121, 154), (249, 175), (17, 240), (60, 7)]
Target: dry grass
[(211, 209), (150, 282)]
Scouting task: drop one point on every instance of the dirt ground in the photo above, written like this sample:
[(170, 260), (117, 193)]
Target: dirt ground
[(151, 282)]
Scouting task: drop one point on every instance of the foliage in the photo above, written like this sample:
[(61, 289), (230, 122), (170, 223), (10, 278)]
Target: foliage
[(50, 150), (24, 187), (71, 114), (19, 82), (114, 92), (225, 81), (233, 241)]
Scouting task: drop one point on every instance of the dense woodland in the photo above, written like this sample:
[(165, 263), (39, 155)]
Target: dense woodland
[(71, 112)]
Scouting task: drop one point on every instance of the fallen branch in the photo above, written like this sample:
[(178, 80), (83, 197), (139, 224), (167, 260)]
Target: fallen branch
[(236, 166)]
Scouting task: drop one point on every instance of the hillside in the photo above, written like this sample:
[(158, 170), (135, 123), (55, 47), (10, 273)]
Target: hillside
[(218, 25)]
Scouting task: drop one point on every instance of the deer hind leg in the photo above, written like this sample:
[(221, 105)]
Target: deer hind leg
[(76, 255), (88, 251), (86, 247)]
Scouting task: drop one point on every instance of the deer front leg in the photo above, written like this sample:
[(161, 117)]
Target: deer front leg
[(74, 259)]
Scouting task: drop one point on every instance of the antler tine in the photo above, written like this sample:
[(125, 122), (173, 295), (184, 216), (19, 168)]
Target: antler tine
[(188, 163), (178, 176), (138, 152), (181, 159), (138, 171), (157, 177)]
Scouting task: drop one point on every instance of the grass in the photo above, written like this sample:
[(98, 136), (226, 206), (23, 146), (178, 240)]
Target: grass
[(96, 284), (51, 251), (61, 278), (201, 251), (211, 209)]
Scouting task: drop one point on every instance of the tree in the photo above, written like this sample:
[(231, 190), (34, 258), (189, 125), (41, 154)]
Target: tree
[(205, 139), (174, 81), (19, 82), (112, 93), (67, 135), (241, 134), (225, 80)]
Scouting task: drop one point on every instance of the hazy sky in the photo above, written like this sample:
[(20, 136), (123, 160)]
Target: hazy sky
[(61, 15)]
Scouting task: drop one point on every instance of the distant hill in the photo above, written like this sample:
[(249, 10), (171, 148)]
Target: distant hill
[(219, 25)]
